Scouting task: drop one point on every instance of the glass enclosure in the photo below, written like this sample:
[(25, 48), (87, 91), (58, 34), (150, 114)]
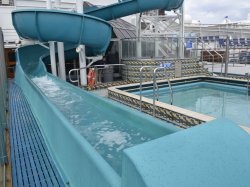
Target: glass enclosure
[(158, 48)]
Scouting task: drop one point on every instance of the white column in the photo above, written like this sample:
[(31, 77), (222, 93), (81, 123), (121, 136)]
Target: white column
[(62, 72), (182, 34), (138, 35), (157, 40), (48, 4), (60, 50), (52, 58), (52, 47), (82, 55)]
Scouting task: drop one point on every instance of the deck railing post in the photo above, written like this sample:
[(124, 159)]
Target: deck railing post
[(227, 56)]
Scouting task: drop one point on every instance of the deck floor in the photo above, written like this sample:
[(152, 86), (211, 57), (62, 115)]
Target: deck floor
[(31, 162)]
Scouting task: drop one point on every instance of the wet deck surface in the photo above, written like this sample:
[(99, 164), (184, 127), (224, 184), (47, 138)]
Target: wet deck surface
[(31, 162)]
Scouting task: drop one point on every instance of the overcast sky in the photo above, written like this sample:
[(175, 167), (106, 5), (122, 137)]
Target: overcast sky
[(208, 11)]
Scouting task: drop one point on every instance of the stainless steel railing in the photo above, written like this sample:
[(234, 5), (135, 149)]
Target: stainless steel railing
[(204, 45), (155, 87), (141, 69), (213, 59), (98, 67), (222, 58), (77, 74), (171, 92), (248, 79)]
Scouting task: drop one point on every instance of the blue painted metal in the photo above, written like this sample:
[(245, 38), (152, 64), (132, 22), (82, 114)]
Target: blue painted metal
[(129, 7), (32, 164), (53, 25)]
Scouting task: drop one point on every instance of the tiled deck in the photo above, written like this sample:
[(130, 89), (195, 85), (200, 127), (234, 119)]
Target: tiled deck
[(31, 162)]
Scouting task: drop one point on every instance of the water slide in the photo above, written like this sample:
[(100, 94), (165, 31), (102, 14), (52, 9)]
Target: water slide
[(54, 25), (79, 164)]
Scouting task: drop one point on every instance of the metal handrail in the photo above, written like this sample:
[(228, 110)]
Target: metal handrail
[(209, 54), (155, 85), (94, 66), (248, 79), (108, 65), (141, 84), (222, 58), (213, 59), (77, 73), (157, 93), (171, 91)]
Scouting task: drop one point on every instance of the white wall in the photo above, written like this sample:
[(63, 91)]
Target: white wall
[(6, 23)]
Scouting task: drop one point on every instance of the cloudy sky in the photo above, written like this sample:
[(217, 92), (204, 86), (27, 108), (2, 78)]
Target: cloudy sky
[(208, 11)]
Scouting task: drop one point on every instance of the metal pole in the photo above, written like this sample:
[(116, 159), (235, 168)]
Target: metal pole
[(213, 64), (138, 35), (141, 85), (227, 56), (248, 79), (120, 50), (82, 53), (60, 48), (141, 88), (61, 58), (182, 34), (156, 40), (154, 85), (52, 58), (52, 47), (202, 53)]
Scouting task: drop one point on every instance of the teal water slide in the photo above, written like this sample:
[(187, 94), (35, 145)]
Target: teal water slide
[(78, 161), (89, 29)]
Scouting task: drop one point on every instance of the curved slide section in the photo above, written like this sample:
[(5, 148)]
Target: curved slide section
[(90, 30), (129, 7), (44, 26)]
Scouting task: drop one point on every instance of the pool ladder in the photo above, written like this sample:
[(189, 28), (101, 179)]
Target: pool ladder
[(155, 86), (141, 69)]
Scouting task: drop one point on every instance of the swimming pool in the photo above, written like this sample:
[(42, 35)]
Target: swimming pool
[(193, 98), (213, 99)]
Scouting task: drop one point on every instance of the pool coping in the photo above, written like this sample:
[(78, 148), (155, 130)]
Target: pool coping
[(177, 115)]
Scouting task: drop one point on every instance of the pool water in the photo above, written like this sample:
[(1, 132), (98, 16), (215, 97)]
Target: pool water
[(217, 100), (106, 128)]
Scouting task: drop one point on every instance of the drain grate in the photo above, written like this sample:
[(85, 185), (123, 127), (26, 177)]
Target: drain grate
[(31, 162)]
